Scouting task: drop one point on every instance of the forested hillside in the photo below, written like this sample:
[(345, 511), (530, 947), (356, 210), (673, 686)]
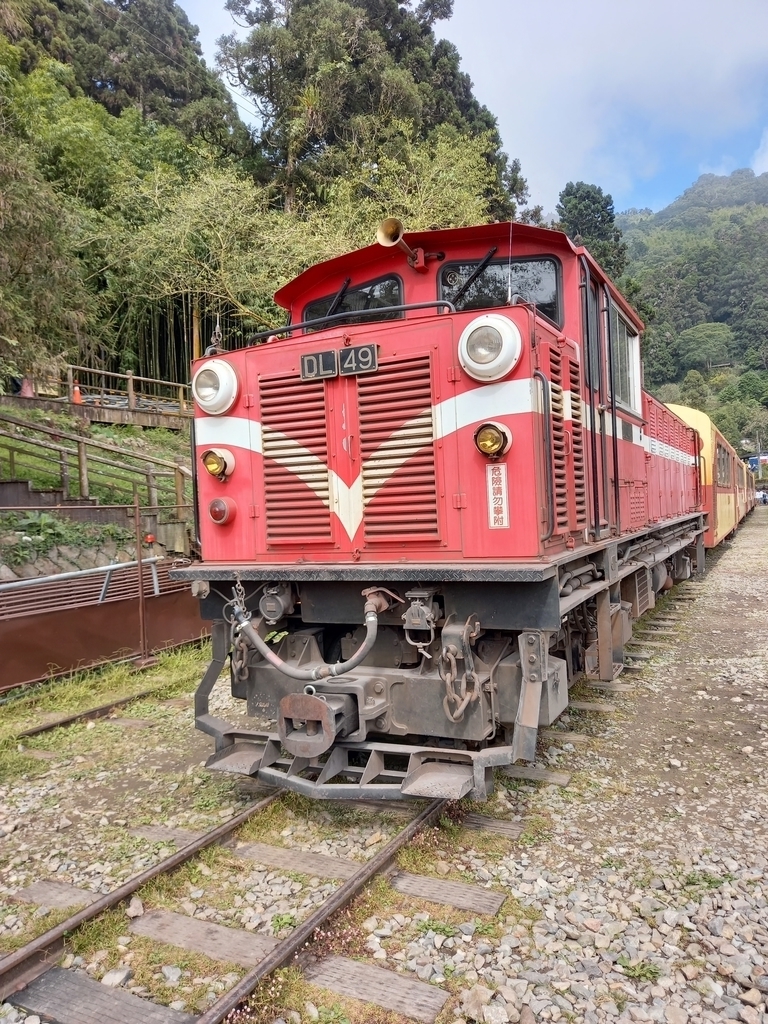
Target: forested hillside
[(702, 267), (136, 206)]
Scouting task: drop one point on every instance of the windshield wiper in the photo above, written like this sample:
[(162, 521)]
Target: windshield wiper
[(474, 275), (338, 298)]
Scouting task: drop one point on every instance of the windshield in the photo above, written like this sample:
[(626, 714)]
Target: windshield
[(528, 280), (361, 299)]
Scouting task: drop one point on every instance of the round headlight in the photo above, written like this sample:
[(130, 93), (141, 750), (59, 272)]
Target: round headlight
[(207, 385), (492, 439), (484, 344), (215, 387), (490, 347)]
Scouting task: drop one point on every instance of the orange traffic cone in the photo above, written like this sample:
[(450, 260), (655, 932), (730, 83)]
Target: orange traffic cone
[(77, 398)]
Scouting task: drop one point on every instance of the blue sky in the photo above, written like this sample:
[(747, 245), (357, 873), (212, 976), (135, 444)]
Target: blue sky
[(639, 99)]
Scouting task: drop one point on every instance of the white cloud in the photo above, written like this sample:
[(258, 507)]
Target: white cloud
[(760, 158), (609, 91)]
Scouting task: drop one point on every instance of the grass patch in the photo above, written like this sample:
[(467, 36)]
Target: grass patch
[(34, 927), (146, 957), (644, 971), (538, 829), (176, 673), (438, 927), (704, 880)]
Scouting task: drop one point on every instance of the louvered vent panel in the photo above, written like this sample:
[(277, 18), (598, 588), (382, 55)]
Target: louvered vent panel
[(559, 450), (643, 591), (396, 442), (295, 446), (577, 446)]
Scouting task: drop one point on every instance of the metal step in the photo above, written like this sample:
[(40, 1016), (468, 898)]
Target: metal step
[(438, 779), (239, 758)]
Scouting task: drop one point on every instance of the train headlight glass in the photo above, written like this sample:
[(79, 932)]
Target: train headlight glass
[(215, 387), (484, 344), (492, 439), (490, 347), (218, 461)]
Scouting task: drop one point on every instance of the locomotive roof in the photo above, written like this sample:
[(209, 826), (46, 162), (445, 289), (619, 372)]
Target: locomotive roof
[(450, 240)]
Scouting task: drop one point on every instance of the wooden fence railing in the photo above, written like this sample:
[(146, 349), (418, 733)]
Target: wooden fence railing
[(79, 466), (83, 384)]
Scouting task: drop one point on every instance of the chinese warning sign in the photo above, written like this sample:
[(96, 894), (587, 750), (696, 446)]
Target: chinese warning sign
[(498, 496)]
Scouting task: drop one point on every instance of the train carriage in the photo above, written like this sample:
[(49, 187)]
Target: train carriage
[(426, 506), (728, 485)]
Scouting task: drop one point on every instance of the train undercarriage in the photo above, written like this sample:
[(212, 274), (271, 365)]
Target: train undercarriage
[(397, 681)]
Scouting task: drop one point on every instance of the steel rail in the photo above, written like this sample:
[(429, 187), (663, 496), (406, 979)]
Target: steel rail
[(85, 716), (20, 968), (289, 947)]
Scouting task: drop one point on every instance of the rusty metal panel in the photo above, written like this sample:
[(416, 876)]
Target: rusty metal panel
[(78, 590), (50, 639)]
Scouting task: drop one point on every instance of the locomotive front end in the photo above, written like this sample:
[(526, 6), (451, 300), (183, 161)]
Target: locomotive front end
[(371, 529), (426, 506)]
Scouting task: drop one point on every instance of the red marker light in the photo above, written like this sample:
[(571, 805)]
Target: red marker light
[(150, 538), (222, 510)]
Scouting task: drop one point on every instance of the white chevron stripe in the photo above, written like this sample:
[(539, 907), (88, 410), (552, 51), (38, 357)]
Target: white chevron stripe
[(347, 501)]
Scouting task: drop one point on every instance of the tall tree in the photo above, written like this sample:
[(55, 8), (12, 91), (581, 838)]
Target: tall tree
[(140, 54), (587, 216), (317, 70)]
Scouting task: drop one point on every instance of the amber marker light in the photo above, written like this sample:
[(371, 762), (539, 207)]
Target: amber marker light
[(222, 510), (492, 439), (219, 462)]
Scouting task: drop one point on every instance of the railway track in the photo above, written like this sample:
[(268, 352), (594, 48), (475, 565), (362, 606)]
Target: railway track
[(32, 980)]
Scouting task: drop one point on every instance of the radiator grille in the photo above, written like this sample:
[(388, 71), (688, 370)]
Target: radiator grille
[(637, 507), (559, 450), (295, 447), (396, 444), (577, 446)]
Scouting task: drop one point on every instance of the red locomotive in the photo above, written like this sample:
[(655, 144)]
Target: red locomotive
[(429, 504)]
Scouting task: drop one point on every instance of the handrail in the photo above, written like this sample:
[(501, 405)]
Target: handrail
[(614, 418), (129, 376), (77, 574), (584, 286), (112, 463), (341, 317), (550, 477), (84, 440)]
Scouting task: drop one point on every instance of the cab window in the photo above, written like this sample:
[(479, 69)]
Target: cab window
[(524, 280), (625, 347), (361, 301)]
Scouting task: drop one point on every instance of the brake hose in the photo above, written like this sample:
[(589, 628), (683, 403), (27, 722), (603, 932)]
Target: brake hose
[(375, 602)]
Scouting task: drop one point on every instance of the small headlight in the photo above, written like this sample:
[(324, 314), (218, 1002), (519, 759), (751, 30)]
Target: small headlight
[(215, 387), (219, 462), (484, 344), (214, 463), (492, 439)]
